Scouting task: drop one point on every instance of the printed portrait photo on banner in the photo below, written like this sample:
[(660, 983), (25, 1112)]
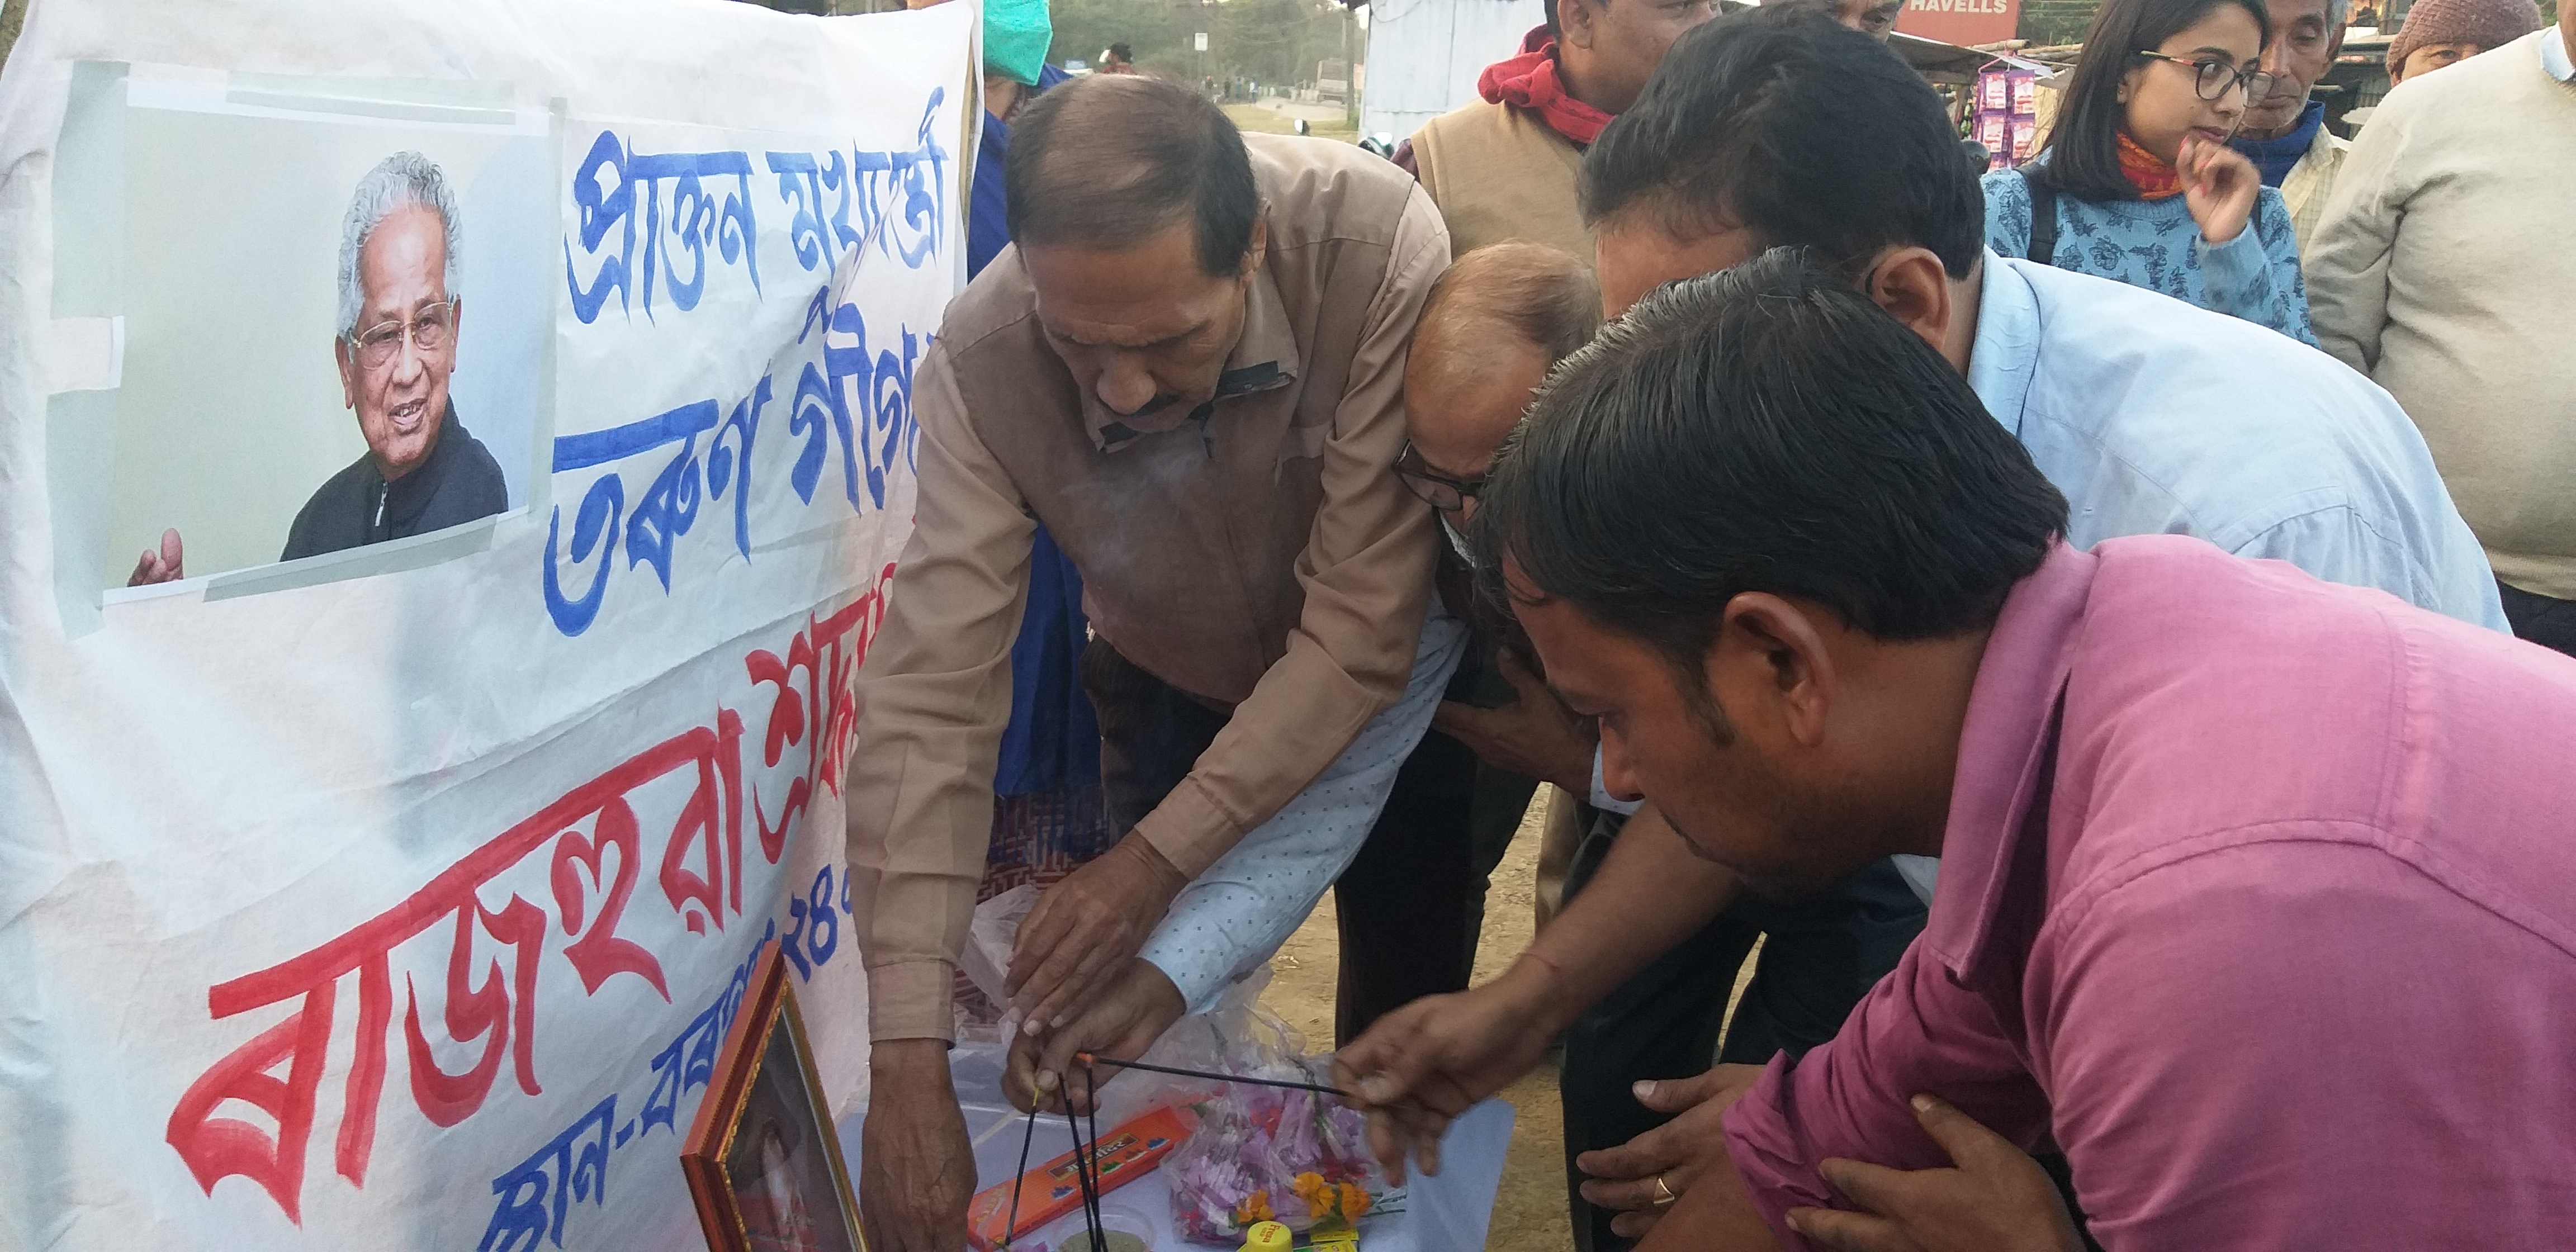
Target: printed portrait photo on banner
[(333, 327)]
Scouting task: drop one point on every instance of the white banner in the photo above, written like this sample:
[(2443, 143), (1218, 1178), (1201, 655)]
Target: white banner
[(397, 894)]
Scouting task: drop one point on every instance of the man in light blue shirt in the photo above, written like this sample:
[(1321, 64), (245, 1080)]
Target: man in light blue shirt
[(2151, 415), (2154, 416), (1770, 128)]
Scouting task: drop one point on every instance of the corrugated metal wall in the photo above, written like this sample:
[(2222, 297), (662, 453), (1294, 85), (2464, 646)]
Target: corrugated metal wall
[(1424, 56)]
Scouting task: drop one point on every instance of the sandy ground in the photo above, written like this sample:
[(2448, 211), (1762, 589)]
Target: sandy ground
[(1529, 1215)]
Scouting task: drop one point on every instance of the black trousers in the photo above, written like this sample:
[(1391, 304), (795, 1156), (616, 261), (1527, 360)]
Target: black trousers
[(2540, 619), (1411, 905), (1151, 735), (1821, 957)]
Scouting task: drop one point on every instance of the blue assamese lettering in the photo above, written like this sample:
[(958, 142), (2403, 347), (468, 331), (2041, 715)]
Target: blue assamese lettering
[(862, 396), (875, 432), (616, 185), (638, 217), (536, 1197), (666, 509)]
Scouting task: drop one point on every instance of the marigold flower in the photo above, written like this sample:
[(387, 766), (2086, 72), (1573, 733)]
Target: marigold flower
[(1317, 1194)]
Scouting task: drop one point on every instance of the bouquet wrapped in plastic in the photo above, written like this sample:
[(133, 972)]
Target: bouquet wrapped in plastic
[(1264, 1154)]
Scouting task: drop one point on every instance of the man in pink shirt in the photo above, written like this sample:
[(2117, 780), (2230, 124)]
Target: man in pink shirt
[(2256, 889)]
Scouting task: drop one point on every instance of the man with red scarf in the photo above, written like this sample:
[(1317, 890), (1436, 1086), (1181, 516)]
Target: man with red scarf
[(1504, 167)]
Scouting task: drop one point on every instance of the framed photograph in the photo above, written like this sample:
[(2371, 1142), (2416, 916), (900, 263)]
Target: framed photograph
[(763, 1162)]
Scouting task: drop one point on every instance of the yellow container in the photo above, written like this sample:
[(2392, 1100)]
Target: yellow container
[(1268, 1237)]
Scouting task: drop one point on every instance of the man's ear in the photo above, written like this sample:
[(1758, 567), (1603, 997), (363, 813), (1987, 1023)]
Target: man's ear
[(1912, 284), (1259, 247), (1771, 666), (1574, 18), (348, 372)]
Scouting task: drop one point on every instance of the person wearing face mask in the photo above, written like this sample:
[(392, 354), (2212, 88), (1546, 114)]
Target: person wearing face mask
[(1503, 169), (2137, 182), (2285, 133), (1188, 367), (1411, 904)]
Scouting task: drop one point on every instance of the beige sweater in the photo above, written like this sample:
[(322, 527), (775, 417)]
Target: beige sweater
[(1499, 173), (2445, 269)]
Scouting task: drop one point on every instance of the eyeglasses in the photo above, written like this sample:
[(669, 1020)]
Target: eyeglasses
[(2213, 78), (430, 333), (1434, 488)]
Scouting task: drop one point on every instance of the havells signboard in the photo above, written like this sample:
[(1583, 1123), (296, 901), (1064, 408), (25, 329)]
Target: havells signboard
[(1963, 22)]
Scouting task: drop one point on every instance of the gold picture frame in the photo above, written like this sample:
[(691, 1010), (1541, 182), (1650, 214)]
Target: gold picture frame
[(762, 1158)]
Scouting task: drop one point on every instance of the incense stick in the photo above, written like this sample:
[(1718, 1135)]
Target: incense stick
[(1089, 1059), (1011, 1224)]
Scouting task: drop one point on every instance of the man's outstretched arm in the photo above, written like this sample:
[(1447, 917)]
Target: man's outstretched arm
[(1434, 1058)]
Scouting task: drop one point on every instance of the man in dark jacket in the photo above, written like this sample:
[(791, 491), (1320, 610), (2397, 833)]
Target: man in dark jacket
[(399, 318)]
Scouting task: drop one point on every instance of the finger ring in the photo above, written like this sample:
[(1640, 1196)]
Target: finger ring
[(1663, 1192)]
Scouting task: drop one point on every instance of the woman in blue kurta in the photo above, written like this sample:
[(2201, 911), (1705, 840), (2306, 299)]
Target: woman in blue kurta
[(2137, 175)]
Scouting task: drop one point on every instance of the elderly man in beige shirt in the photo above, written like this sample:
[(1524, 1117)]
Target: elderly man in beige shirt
[(2443, 270), (1190, 371)]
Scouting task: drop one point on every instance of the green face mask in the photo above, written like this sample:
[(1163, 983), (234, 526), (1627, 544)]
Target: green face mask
[(1016, 35)]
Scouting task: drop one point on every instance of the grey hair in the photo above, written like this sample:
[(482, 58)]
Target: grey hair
[(2338, 12), (402, 180)]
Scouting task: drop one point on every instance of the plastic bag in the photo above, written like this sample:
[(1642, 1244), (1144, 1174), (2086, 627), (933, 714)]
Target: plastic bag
[(1267, 1154), (986, 958), (1256, 1153), (1236, 1036)]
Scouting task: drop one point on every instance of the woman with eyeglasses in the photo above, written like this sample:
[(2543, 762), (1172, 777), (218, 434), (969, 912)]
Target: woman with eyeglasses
[(2136, 181)]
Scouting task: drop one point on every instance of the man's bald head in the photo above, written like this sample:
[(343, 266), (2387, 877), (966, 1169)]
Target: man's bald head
[(1493, 325), (1110, 161)]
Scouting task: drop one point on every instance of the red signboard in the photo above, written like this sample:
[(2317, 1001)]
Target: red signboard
[(1962, 22)]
